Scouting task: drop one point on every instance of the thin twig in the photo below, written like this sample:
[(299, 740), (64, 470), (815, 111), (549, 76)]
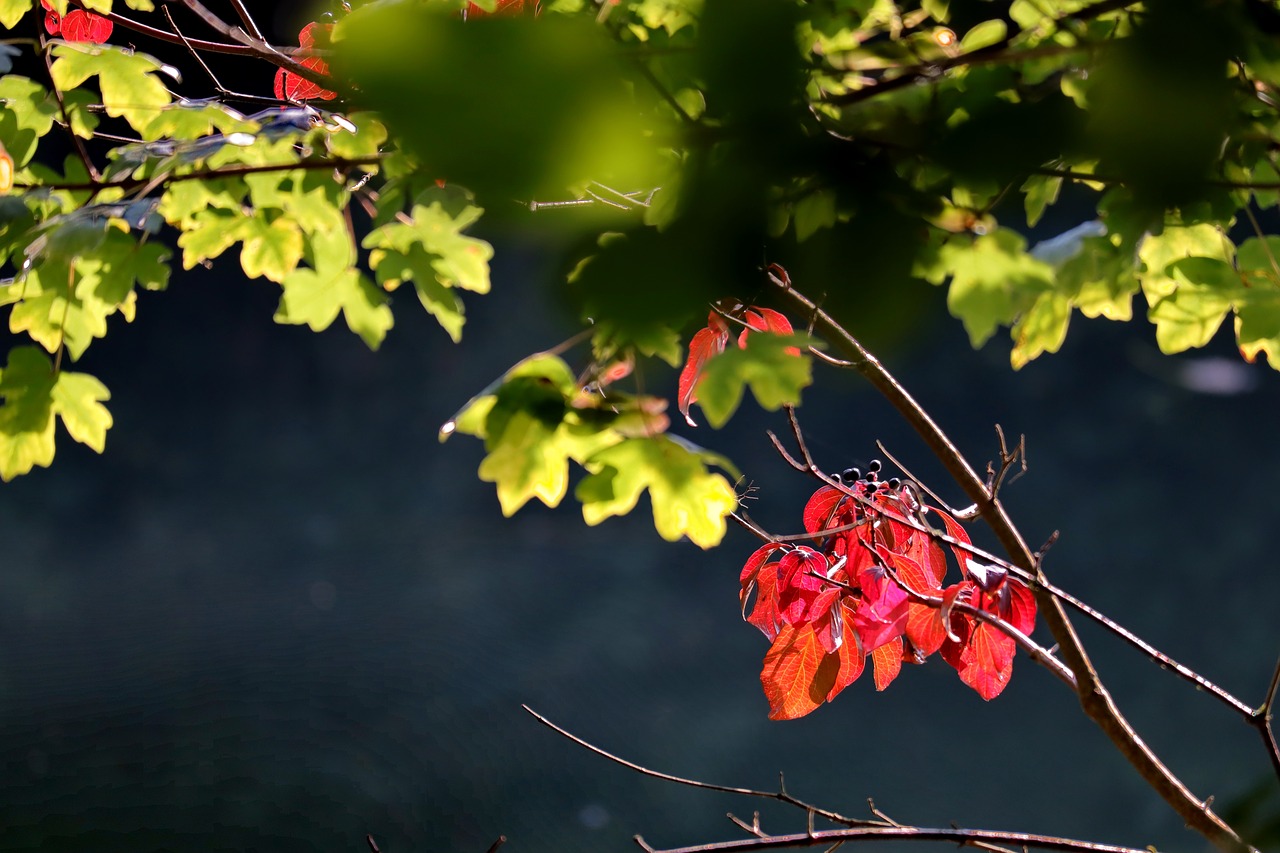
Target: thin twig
[(780, 795), (336, 163), (76, 141), (899, 833), (1263, 716), (1094, 697)]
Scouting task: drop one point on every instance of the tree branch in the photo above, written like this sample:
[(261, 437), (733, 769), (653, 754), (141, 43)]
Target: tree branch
[(898, 833), (1094, 697)]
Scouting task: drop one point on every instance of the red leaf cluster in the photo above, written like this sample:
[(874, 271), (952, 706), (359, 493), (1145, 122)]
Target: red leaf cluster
[(291, 87), (715, 337), (78, 25), (826, 608)]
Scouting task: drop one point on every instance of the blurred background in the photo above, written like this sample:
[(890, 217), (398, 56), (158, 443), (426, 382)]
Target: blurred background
[(278, 615)]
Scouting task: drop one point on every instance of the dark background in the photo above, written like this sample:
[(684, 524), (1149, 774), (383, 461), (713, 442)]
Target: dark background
[(278, 615)]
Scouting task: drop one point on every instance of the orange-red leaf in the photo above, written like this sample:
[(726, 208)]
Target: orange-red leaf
[(887, 661), (988, 661), (852, 657), (822, 509), (794, 680)]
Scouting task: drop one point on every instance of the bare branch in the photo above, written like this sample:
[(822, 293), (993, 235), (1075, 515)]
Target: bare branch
[(780, 795), (900, 833)]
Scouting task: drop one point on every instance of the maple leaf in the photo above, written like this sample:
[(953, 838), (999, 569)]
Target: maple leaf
[(290, 86), (33, 393), (77, 25), (687, 499)]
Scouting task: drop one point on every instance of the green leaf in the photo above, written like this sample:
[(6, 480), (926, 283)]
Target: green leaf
[(28, 114), (1041, 328), (1100, 279), (126, 79), (983, 35), (271, 249), (209, 233), (1258, 260), (815, 211), (368, 137), (57, 313), (315, 296), (531, 434), (33, 394), (458, 260), (77, 400), (687, 499), (11, 11), (1158, 251), (769, 363), (1040, 191), (1258, 325), (1204, 290), (992, 280)]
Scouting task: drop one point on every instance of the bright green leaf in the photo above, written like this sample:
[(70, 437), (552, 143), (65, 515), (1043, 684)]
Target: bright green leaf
[(271, 249), (126, 79), (992, 280), (687, 499)]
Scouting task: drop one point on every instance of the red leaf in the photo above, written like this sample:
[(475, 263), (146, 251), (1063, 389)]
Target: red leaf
[(765, 614), (924, 628), (765, 320), (1018, 605), (794, 680), (851, 655), (823, 509), (955, 531), (887, 662), (78, 25), (291, 87), (705, 344), (988, 669)]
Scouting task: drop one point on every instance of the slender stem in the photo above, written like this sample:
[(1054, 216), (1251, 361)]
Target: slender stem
[(170, 38), (1093, 695), (206, 174), (1262, 720), (259, 48), (781, 795), (76, 141), (898, 833), (245, 18)]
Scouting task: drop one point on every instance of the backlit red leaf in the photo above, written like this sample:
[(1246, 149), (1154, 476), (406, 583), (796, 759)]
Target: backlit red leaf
[(955, 531), (821, 511), (78, 25), (851, 656), (766, 320), (988, 668), (794, 680), (1018, 605), (706, 343), (887, 662), (924, 628), (291, 87)]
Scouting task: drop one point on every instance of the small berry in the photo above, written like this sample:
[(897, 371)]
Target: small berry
[(894, 483), (851, 475), (873, 466)]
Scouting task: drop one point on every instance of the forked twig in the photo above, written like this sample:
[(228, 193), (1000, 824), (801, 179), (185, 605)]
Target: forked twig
[(898, 833), (1095, 699)]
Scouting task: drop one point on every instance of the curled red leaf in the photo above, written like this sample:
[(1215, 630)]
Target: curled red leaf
[(290, 86)]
